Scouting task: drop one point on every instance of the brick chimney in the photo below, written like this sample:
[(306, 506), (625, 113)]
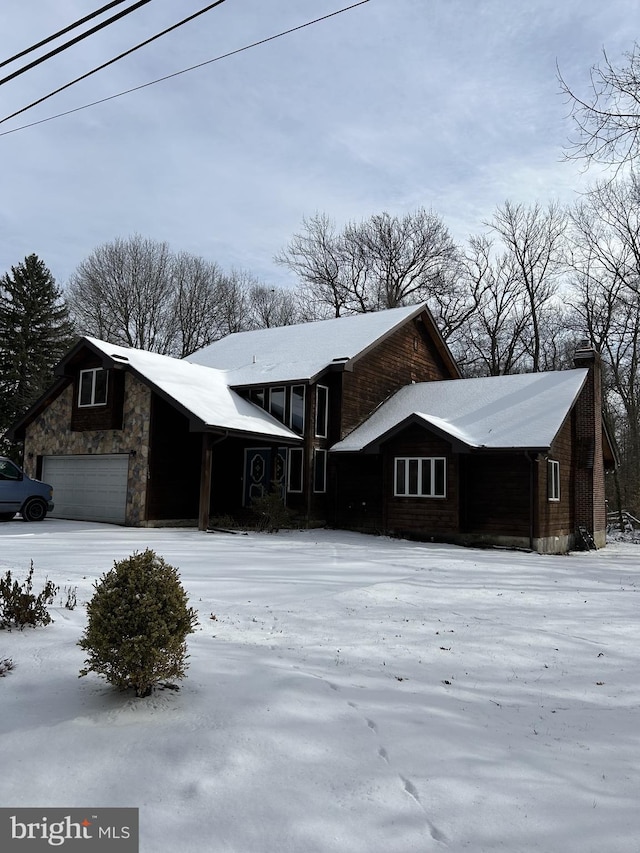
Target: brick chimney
[(590, 505)]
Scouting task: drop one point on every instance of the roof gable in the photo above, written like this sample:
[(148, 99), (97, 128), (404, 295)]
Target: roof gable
[(201, 393), (303, 351), (519, 411)]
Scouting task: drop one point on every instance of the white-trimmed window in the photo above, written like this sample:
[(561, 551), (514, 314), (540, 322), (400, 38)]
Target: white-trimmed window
[(295, 469), (553, 479), (296, 409), (322, 411), (319, 470), (420, 477), (277, 399), (92, 389)]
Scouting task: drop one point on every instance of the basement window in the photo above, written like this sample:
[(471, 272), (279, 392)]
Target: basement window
[(92, 389), (420, 477), (553, 479)]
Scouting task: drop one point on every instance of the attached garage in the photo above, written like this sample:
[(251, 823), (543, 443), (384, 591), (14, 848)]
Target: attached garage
[(90, 487)]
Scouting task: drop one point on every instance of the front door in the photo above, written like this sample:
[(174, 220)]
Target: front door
[(265, 468)]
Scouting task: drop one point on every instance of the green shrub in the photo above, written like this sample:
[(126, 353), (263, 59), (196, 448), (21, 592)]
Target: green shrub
[(138, 621), (272, 514), (19, 606)]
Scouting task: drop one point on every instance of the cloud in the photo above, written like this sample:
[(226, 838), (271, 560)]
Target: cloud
[(393, 105)]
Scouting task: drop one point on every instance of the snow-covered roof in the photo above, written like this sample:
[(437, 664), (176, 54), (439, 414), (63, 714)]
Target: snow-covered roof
[(495, 412), (202, 392), (299, 352)]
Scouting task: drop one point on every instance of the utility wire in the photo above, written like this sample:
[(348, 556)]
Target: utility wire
[(177, 73), (61, 32), (115, 58), (73, 41)]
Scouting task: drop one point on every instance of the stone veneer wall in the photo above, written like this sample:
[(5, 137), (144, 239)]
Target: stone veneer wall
[(50, 435)]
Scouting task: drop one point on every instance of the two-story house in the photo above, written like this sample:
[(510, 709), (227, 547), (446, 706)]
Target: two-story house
[(362, 422), (134, 437)]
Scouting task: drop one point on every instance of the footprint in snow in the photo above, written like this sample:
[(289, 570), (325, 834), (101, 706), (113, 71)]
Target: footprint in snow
[(412, 791)]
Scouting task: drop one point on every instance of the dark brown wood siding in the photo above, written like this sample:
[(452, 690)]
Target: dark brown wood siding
[(356, 490), (496, 494), (408, 355), (557, 518), (227, 476), (109, 416), (175, 456), (422, 517)]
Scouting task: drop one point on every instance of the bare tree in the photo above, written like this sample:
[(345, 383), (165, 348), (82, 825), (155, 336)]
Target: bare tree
[(272, 306), (606, 283), (534, 239), (137, 293), (316, 256), (493, 339), (196, 287), (607, 119), (382, 262), (123, 293)]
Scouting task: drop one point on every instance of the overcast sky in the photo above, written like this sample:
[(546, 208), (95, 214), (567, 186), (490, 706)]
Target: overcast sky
[(453, 105)]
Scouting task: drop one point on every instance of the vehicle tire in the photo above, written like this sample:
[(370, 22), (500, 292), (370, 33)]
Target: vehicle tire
[(34, 510), (6, 516)]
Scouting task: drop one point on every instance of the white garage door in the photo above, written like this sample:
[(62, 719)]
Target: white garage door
[(88, 488)]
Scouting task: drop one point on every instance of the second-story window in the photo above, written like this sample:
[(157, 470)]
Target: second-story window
[(93, 387), (297, 409), (277, 403), (256, 395), (322, 411)]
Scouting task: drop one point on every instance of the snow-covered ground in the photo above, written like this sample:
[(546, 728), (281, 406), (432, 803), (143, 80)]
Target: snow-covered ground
[(346, 694)]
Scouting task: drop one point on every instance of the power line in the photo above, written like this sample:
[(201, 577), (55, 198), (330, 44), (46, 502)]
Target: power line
[(61, 32), (177, 73), (115, 59), (73, 41)]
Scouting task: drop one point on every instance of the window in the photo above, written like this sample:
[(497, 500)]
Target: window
[(256, 395), (93, 387), (296, 416), (295, 469), (276, 403), (319, 470), (322, 410), (420, 476), (8, 471), (553, 479)]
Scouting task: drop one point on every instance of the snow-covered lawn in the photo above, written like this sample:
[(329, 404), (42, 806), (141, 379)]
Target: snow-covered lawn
[(346, 694)]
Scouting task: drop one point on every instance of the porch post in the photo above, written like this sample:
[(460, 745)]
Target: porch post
[(205, 481)]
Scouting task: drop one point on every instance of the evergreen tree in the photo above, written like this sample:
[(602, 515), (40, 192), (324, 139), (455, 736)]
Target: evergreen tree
[(35, 333)]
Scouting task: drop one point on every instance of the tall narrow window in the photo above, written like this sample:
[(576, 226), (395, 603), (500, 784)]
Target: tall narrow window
[(93, 387), (277, 403), (322, 411), (420, 477), (319, 470), (553, 479), (295, 469), (297, 409)]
